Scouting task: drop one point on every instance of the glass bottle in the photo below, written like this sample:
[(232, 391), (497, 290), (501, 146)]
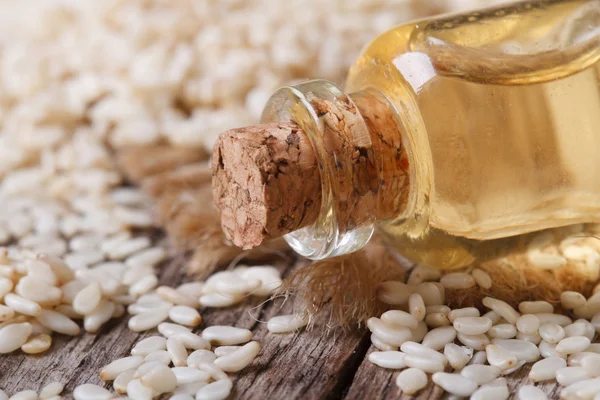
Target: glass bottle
[(477, 129)]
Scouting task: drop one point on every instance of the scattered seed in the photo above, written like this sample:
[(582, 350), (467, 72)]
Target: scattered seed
[(566, 376), (531, 393), (454, 383), (502, 308), (458, 280), (480, 374), (411, 380), (218, 390), (545, 369), (572, 345), (239, 359), (388, 359), (88, 391), (285, 323)]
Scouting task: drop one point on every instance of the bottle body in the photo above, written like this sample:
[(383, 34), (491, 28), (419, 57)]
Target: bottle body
[(500, 114), (461, 137)]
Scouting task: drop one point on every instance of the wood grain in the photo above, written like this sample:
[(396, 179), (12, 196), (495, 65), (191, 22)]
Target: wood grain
[(304, 365)]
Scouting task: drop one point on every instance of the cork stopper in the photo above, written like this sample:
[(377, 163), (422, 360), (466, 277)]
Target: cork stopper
[(266, 182)]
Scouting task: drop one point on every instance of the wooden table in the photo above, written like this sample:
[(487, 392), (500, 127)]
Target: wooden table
[(306, 365)]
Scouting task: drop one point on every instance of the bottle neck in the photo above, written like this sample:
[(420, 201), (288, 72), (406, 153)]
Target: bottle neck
[(362, 159)]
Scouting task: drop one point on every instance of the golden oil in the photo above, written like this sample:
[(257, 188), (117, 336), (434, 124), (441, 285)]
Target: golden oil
[(500, 111), (480, 129)]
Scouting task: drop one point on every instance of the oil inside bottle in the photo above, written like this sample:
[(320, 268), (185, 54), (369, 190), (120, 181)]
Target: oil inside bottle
[(501, 110)]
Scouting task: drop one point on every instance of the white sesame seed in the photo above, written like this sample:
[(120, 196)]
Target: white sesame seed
[(480, 374), (531, 393), (558, 319), (37, 344), (144, 285), (117, 367), (528, 324), (522, 349), (224, 350), (148, 345), (457, 280), (177, 351), (545, 369), (200, 356), (148, 320), (580, 327), (479, 358), (192, 341), (184, 315), (188, 375), (536, 307), (482, 278), (438, 338), (399, 318), (591, 363), (419, 332), (476, 342), (162, 356), (218, 390), (425, 364), (168, 329), (120, 383), (502, 308), (569, 375), (549, 350), (381, 345), (535, 338), (491, 391), (394, 292), (51, 390), (91, 392), (88, 298), (582, 390), (421, 273), (58, 322), (13, 336), (286, 323), (394, 336), (411, 380), (454, 383), (219, 300), (160, 379), (416, 306), (571, 300), (227, 335), (472, 325), (499, 357), (239, 359), (417, 349), (431, 293), (575, 359), (457, 356), (463, 312), (502, 331), (552, 333), (388, 359), (173, 296), (437, 320), (574, 344), (137, 390)]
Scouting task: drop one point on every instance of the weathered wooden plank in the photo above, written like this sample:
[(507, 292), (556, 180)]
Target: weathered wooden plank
[(307, 365), (304, 364)]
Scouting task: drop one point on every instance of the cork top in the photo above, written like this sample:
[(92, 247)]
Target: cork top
[(266, 182)]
